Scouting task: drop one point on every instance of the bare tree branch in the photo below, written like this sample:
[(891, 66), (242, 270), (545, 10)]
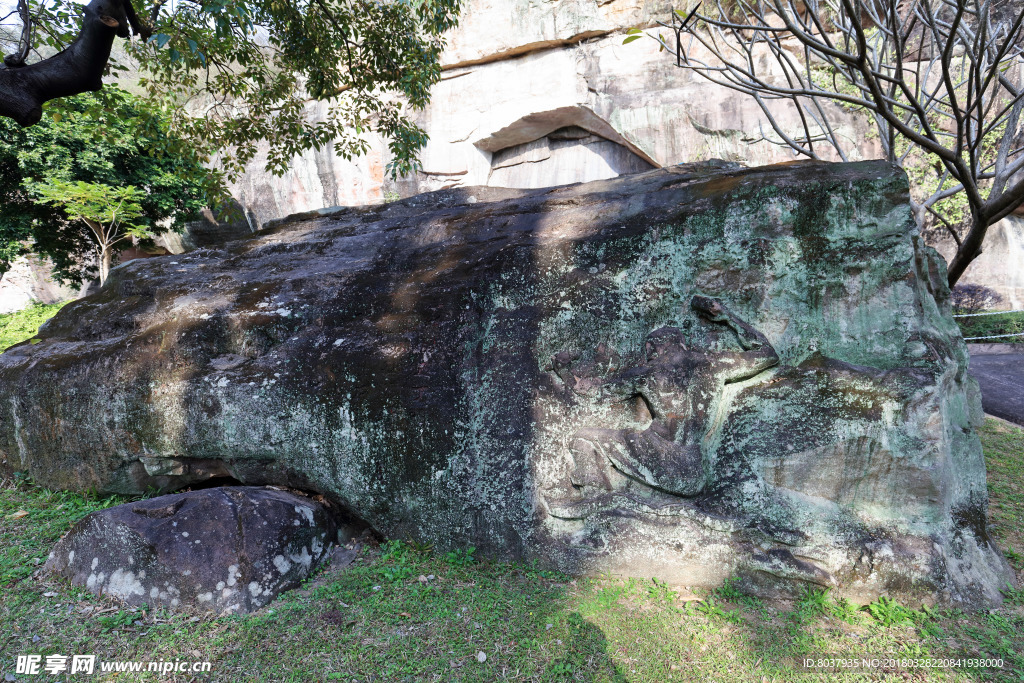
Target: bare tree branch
[(940, 79), (17, 59)]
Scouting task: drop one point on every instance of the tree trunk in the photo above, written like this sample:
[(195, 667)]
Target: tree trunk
[(105, 259), (969, 250)]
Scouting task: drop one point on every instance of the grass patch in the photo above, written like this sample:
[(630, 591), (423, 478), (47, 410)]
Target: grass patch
[(1004, 458), (404, 612), (21, 325), (989, 325)]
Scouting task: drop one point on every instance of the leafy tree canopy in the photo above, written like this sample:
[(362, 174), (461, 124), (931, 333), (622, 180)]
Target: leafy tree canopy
[(110, 138), (111, 214), (235, 73)]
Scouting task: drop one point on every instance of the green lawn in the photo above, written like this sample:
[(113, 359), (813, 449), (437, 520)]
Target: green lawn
[(21, 325), (378, 621)]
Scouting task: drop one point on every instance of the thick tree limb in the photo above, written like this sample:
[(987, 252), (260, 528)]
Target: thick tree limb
[(77, 69)]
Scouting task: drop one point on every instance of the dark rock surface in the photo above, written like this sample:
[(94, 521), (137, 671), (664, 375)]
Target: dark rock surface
[(690, 373), (1001, 376), (217, 226), (227, 549)]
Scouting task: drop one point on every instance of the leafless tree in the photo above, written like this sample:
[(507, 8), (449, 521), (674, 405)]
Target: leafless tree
[(942, 80)]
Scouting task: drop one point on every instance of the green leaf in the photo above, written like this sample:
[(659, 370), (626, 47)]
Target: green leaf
[(629, 40), (106, 140), (294, 53)]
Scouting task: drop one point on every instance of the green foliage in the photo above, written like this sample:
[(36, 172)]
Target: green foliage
[(420, 547), (1004, 455), (21, 325), (395, 551), (713, 610), (120, 620), (461, 557), (51, 513), (398, 572), (842, 609), (989, 325), (240, 73), (659, 592), (119, 207), (815, 600), (109, 138), (730, 591), (397, 559), (533, 625), (609, 596), (888, 612), (1013, 596)]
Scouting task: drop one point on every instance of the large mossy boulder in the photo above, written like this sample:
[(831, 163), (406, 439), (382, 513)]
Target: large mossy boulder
[(691, 373)]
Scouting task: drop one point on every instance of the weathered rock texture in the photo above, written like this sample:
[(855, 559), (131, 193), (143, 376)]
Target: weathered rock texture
[(228, 549), (211, 228), (687, 373), (31, 280)]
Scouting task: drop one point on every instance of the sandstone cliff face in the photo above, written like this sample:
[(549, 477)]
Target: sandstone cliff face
[(31, 280), (517, 71), (688, 373), (1001, 264)]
